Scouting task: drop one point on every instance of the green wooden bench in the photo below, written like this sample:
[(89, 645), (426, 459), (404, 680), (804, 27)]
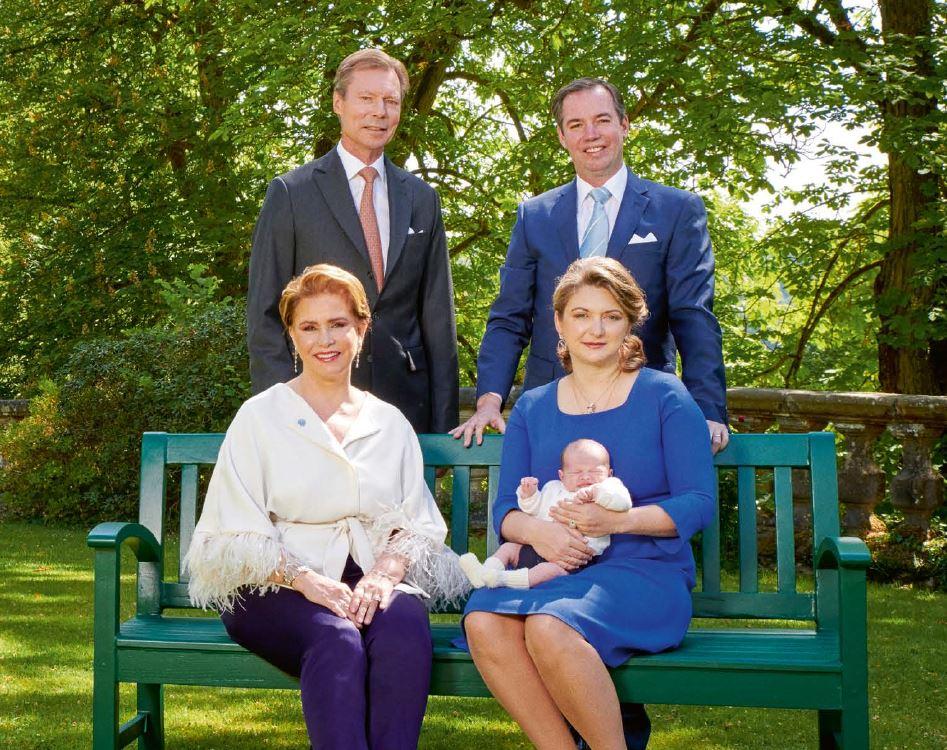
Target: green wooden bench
[(736, 663)]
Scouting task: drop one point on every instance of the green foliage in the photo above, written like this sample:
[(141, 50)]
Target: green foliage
[(75, 458), (136, 140)]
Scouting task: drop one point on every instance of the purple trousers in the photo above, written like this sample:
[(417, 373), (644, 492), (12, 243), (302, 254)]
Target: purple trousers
[(361, 689)]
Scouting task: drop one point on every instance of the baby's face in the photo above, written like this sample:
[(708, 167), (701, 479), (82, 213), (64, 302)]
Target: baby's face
[(581, 469)]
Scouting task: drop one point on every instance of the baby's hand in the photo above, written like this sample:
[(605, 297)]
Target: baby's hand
[(528, 486), (585, 495)]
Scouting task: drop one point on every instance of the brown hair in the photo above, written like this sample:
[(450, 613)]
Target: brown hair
[(324, 279), (586, 84), (369, 58), (613, 277)]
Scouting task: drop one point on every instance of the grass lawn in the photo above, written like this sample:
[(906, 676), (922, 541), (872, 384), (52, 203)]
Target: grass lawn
[(46, 678)]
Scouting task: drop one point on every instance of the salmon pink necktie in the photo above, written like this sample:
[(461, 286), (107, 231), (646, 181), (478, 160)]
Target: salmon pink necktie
[(366, 213)]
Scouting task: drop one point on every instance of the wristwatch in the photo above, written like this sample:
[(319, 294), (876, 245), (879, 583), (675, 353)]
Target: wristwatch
[(292, 571)]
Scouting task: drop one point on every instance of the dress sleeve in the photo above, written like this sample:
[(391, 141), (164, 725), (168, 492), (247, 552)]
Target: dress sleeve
[(515, 463), (234, 544), (688, 464)]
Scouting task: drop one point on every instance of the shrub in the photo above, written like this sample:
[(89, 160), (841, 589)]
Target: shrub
[(75, 458)]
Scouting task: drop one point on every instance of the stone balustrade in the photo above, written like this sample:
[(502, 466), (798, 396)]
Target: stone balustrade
[(917, 423)]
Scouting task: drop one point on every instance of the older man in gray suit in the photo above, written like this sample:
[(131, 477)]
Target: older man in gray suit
[(355, 209)]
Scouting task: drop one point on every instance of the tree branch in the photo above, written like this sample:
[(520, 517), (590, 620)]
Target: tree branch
[(805, 335), (685, 47)]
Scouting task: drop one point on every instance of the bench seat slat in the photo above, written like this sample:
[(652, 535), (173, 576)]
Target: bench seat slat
[(776, 649)]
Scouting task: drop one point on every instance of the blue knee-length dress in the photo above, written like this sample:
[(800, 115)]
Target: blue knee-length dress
[(635, 597)]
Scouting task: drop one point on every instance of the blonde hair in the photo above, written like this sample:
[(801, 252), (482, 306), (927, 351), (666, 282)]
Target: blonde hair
[(369, 58), (613, 277), (324, 279)]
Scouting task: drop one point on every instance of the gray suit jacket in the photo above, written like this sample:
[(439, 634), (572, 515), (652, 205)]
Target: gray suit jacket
[(410, 354)]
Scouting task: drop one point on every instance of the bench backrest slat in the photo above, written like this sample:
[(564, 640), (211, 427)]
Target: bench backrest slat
[(753, 457), (710, 554), (460, 510), (785, 542), (746, 524), (189, 476)]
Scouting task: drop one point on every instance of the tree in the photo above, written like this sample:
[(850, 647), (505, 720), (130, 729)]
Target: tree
[(137, 137)]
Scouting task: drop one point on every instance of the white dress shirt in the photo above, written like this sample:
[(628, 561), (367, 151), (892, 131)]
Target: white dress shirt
[(585, 203), (352, 165)]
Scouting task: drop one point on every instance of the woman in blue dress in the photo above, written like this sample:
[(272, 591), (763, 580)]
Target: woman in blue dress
[(544, 652)]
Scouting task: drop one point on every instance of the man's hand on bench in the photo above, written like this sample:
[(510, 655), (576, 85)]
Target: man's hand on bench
[(487, 415)]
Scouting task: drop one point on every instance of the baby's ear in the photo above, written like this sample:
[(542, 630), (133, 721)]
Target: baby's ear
[(610, 472), (560, 475)]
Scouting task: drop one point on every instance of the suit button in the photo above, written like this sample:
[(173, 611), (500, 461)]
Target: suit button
[(369, 358), (375, 316)]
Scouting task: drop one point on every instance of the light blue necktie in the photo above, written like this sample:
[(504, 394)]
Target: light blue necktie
[(595, 240)]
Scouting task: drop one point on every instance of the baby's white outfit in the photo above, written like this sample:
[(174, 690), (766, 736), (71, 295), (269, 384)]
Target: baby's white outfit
[(610, 493)]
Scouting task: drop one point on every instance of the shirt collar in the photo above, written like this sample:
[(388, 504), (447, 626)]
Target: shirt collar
[(352, 164), (615, 184)]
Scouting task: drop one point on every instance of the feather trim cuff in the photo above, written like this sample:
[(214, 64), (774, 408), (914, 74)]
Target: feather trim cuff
[(432, 567), (220, 565)]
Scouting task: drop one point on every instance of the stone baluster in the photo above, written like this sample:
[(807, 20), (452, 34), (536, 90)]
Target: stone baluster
[(861, 481), (918, 489)]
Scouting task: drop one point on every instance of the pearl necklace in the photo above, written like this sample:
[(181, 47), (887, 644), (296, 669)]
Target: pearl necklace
[(591, 404)]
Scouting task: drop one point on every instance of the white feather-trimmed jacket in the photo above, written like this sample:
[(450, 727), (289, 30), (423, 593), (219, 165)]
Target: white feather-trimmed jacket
[(284, 486)]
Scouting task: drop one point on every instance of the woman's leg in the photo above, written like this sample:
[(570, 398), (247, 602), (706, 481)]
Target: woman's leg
[(498, 646), (578, 681), (398, 643), (326, 653)]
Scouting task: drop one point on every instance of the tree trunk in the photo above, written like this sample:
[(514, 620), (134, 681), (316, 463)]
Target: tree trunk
[(908, 359)]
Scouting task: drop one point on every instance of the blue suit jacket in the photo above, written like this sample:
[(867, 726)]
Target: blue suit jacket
[(676, 271)]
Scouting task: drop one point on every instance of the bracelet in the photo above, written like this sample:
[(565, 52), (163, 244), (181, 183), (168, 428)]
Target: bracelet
[(383, 574), (291, 571)]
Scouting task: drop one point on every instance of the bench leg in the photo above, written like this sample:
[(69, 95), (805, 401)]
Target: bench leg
[(151, 701), (104, 710)]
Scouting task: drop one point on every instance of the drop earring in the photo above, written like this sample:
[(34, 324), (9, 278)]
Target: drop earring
[(295, 361), (561, 348), (358, 354)]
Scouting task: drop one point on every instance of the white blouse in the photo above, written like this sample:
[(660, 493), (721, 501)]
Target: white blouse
[(284, 486)]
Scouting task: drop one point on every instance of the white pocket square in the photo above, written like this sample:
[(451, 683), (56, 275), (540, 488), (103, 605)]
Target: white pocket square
[(638, 239), (415, 231)]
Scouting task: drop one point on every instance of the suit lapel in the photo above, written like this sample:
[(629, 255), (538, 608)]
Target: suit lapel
[(399, 213), (330, 178), (564, 216), (629, 215)]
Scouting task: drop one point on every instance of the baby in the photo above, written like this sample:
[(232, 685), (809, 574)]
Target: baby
[(585, 477)]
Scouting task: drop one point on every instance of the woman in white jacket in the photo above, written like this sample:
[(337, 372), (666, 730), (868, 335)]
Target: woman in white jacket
[(318, 536)]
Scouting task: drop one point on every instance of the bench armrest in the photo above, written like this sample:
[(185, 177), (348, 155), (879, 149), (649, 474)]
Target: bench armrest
[(842, 553), (106, 540), (113, 534)]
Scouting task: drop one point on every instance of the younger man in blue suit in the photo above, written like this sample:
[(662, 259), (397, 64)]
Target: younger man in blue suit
[(659, 233)]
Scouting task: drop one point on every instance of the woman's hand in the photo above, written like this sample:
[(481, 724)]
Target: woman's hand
[(560, 544), (373, 591), (333, 595), (589, 518)]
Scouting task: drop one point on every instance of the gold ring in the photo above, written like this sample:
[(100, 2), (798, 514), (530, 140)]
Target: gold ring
[(572, 524)]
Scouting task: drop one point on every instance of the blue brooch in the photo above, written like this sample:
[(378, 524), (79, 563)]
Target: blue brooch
[(301, 422)]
